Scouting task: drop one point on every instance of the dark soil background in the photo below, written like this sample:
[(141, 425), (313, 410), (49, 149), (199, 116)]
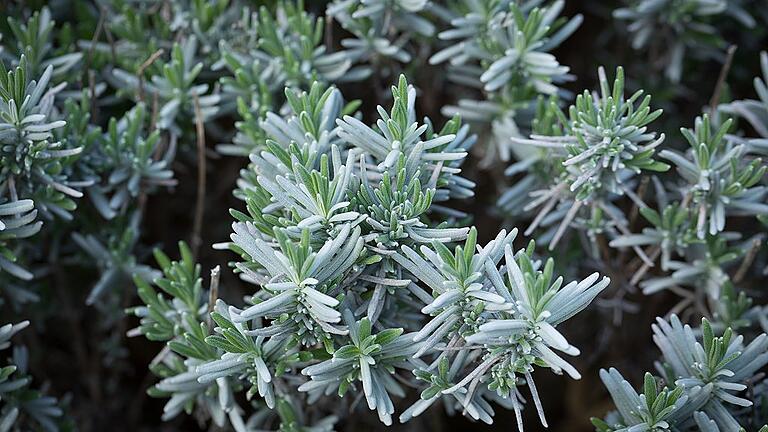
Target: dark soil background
[(107, 392)]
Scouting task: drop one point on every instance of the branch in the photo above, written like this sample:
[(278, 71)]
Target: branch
[(201, 178), (721, 79)]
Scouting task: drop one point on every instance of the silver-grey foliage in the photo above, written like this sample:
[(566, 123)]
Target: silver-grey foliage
[(357, 291), (365, 283), (22, 407), (709, 374), (604, 142), (502, 48), (675, 29)]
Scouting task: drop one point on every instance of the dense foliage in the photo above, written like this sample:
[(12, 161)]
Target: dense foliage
[(407, 207)]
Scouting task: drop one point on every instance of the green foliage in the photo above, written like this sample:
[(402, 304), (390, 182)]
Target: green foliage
[(21, 405), (362, 280), (706, 374), (677, 28)]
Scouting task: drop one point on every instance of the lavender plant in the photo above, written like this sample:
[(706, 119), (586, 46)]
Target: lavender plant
[(382, 29), (604, 143), (668, 30), (368, 268), (707, 377), (336, 263), (22, 406), (32, 181), (754, 111), (502, 48), (288, 53)]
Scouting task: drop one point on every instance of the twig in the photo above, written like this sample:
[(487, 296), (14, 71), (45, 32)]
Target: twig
[(156, 360), (155, 112), (110, 39), (94, 40), (329, 31), (92, 92), (140, 71), (656, 251), (624, 230), (201, 180), (12, 188), (721, 79), (635, 211), (604, 249), (747, 261)]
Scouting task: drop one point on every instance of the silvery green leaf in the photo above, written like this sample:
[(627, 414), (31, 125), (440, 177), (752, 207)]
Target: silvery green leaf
[(649, 18)]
